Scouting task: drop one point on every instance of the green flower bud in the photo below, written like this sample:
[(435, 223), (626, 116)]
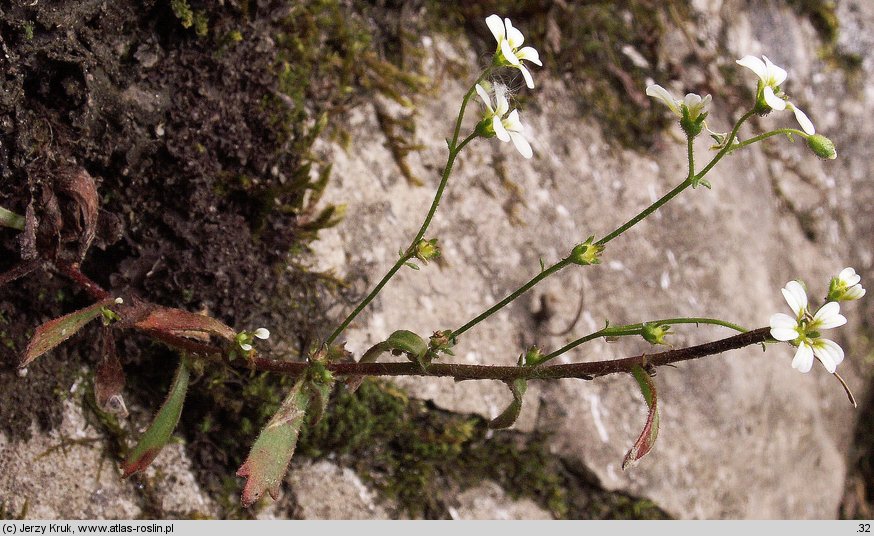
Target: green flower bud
[(586, 253), (655, 334), (822, 146), (533, 356), (427, 250)]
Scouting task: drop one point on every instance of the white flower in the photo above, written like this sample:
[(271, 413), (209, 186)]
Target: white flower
[(262, 333), (693, 102), (803, 330), (246, 346), (845, 286), (771, 77), (507, 128), (509, 40)]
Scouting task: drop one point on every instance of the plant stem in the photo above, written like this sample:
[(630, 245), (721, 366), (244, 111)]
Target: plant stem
[(619, 230), (588, 370), (634, 329), (11, 219), (691, 155), (682, 186), (411, 250), (787, 131), (725, 150), (515, 294)]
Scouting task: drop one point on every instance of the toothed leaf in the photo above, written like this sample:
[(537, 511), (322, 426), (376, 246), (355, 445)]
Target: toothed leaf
[(271, 453)]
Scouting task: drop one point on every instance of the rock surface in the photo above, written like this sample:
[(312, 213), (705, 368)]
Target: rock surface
[(742, 435)]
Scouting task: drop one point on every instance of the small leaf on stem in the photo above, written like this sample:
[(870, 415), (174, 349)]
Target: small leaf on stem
[(109, 379), (272, 451), (508, 417), (159, 432), (56, 331), (650, 431), (401, 341)]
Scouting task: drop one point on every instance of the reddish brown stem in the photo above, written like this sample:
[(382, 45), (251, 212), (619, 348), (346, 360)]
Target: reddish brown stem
[(586, 371), (73, 271)]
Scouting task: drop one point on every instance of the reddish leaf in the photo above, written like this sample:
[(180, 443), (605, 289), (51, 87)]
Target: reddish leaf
[(159, 432), (77, 193), (184, 323), (109, 379), (650, 431), (56, 331), (270, 455), (508, 417)]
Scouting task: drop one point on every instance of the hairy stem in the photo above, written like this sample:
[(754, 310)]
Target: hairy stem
[(460, 372), (635, 329), (410, 252), (515, 294), (787, 131)]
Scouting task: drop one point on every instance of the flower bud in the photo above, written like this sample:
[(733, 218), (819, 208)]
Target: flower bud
[(533, 356), (822, 146), (655, 334), (427, 250), (586, 253)]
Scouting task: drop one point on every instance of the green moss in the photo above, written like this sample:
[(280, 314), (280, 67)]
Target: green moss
[(821, 14), (417, 455), (183, 12)]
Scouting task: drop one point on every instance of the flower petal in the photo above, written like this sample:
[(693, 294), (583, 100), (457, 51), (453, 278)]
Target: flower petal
[(776, 75), (662, 94), (803, 120), (783, 327), (521, 144), (849, 276), (529, 54), (262, 333), (512, 122), (485, 97), (514, 36), (500, 131), (796, 297), (508, 53), (854, 293), (775, 102), (755, 65), (527, 76), (828, 316), (502, 106), (496, 25), (803, 360), (829, 353)]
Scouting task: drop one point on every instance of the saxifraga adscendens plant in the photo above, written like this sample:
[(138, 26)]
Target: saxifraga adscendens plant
[(47, 242)]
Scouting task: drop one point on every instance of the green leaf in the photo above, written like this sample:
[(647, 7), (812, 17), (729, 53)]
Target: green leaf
[(159, 432), (270, 455), (508, 417), (401, 341), (320, 393), (650, 431), (56, 331), (407, 342)]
